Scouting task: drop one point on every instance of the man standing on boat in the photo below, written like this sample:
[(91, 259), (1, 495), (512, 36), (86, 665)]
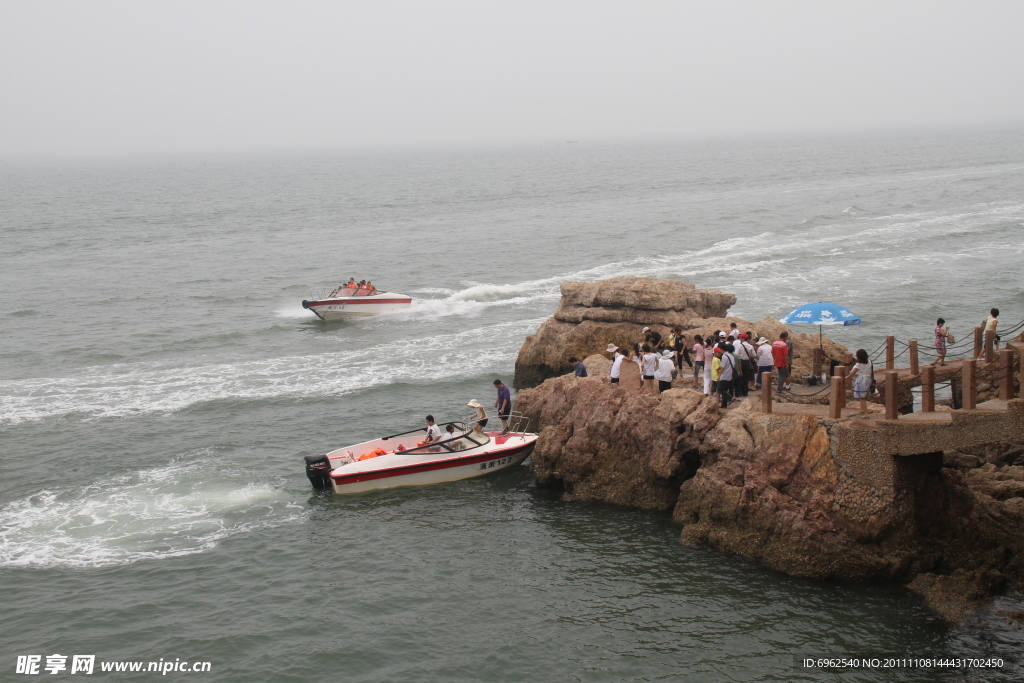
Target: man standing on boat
[(503, 404)]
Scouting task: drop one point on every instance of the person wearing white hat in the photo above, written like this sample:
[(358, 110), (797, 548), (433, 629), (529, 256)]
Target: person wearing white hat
[(481, 415), (765, 362), (665, 371), (651, 337), (616, 362)]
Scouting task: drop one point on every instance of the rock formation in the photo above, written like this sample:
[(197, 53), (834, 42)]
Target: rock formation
[(592, 315), (807, 495), (789, 491)]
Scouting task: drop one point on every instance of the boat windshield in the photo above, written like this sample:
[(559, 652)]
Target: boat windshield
[(464, 442)]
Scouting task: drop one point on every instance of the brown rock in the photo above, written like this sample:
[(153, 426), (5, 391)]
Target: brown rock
[(806, 495), (603, 442), (592, 315), (960, 460), (953, 595), (640, 300)]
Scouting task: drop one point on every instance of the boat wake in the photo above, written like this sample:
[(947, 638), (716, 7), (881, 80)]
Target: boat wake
[(138, 389), (158, 513)]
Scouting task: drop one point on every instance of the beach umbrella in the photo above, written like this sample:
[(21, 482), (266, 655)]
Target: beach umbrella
[(820, 314)]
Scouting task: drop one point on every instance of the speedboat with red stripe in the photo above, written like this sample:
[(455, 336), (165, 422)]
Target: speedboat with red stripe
[(353, 302), (401, 460)]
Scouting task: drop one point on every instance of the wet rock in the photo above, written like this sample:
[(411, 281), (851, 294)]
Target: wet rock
[(953, 595)]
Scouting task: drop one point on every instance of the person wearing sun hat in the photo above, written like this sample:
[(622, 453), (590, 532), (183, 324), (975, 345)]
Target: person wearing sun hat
[(765, 362), (481, 415), (616, 362)]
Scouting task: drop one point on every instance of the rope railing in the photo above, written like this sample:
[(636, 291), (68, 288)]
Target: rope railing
[(962, 348)]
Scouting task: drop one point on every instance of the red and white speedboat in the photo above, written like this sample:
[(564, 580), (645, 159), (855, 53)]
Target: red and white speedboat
[(399, 460), (351, 302)]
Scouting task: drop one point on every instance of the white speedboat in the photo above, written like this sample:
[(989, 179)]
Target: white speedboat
[(351, 302), (402, 460)]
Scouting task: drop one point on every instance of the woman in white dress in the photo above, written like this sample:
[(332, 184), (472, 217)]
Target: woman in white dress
[(863, 374)]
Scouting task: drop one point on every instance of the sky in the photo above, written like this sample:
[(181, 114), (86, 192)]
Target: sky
[(154, 78)]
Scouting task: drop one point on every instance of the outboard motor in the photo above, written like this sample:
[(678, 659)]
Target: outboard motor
[(318, 469)]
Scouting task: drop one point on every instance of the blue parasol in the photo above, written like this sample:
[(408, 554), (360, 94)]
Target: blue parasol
[(819, 314)]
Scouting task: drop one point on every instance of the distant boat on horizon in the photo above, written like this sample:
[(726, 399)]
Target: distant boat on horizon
[(571, 142)]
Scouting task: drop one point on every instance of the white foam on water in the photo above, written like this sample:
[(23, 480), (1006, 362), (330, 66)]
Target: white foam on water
[(294, 310), (137, 389), (170, 511), (785, 264), (766, 254)]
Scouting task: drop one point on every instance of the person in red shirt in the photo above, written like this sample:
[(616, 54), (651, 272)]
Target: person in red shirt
[(780, 354)]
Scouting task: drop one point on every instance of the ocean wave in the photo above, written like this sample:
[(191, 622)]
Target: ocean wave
[(170, 511), (136, 389), (768, 254)]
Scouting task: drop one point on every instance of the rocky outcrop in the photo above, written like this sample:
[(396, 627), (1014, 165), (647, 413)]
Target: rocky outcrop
[(604, 443), (794, 492), (592, 315), (640, 300)]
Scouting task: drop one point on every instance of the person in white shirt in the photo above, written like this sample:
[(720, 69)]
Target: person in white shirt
[(765, 362), (734, 331), (616, 362), (648, 366), (665, 371), (745, 371), (447, 436), (433, 431)]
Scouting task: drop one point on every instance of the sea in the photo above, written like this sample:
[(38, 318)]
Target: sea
[(160, 383)]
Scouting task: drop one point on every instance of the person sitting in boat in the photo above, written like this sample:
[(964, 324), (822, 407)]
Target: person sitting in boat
[(449, 433), (481, 416), (369, 286), (351, 284), (433, 431)]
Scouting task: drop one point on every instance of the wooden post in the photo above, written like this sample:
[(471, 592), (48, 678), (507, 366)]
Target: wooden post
[(978, 332), (835, 399), (840, 379), (848, 362), (892, 380), (1006, 374), (766, 392), (928, 389), (970, 389), (818, 357), (890, 352), (914, 368)]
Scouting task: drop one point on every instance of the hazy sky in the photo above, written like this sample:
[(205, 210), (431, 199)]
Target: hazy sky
[(100, 77)]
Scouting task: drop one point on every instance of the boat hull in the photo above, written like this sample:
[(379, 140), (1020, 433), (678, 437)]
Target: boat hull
[(341, 308), (516, 449)]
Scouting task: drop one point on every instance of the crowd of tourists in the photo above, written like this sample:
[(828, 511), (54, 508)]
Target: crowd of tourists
[(730, 363), (727, 363)]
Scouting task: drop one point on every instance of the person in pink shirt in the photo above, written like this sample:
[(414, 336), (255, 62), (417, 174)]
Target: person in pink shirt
[(698, 359), (709, 359)]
